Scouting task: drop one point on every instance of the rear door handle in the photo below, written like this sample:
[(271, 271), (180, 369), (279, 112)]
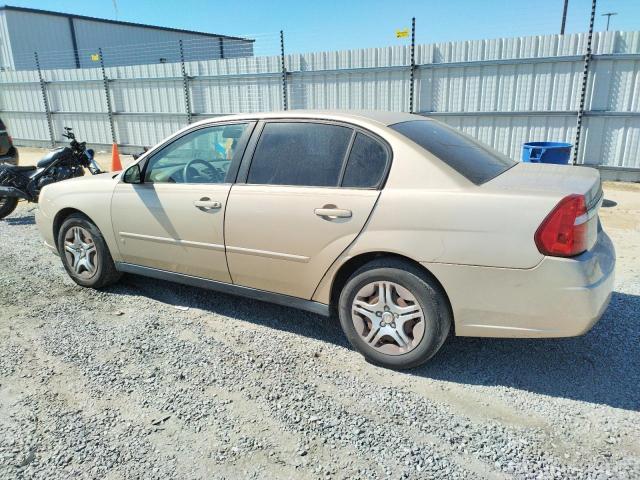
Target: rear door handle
[(207, 204), (332, 213)]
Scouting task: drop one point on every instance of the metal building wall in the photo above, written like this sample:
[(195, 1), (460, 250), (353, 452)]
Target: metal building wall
[(6, 58), (503, 91), (129, 45), (50, 35), (46, 33)]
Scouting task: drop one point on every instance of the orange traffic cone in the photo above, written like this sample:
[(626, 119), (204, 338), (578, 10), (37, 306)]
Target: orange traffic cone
[(115, 159)]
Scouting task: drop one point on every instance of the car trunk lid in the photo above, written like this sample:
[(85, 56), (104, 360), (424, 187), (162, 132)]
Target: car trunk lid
[(558, 181)]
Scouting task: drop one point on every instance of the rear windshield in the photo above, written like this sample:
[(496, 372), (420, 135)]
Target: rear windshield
[(477, 162)]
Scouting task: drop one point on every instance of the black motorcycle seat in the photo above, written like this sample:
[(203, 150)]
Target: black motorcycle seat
[(23, 168)]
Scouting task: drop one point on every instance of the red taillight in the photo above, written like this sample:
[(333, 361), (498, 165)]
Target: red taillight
[(564, 232), (10, 140)]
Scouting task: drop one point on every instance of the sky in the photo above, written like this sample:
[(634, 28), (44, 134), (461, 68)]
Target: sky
[(340, 24)]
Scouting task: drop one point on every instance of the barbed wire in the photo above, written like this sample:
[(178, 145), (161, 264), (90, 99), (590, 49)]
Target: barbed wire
[(340, 52), (169, 51)]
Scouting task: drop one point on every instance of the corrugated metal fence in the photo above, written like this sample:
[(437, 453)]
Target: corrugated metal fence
[(503, 91)]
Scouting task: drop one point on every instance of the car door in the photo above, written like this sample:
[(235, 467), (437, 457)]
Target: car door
[(294, 214), (168, 214)]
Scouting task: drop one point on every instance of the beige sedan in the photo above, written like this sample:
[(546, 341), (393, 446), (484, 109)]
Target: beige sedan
[(404, 227)]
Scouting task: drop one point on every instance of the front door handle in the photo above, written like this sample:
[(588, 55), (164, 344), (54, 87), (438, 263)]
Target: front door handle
[(332, 212), (206, 203)]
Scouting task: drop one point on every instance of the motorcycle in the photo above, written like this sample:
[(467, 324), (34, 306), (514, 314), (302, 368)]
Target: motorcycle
[(26, 182)]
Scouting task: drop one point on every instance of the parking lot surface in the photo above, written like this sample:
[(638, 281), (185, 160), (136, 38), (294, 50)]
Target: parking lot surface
[(156, 380)]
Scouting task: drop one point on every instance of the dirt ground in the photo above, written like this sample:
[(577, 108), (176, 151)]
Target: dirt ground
[(148, 379)]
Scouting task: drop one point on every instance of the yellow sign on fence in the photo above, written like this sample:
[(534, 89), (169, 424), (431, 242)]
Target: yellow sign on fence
[(402, 33), (95, 57)]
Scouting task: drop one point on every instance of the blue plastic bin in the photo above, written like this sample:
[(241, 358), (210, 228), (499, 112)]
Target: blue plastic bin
[(546, 152)]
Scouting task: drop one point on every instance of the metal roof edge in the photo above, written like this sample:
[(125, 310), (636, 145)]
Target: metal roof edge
[(119, 22)]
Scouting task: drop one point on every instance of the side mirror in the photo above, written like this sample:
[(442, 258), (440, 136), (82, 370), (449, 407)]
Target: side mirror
[(132, 174)]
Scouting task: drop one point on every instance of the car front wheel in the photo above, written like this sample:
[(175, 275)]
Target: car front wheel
[(394, 313), (85, 254)]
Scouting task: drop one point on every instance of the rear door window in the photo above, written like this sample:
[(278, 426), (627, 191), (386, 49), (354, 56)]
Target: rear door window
[(476, 161), (299, 153), (367, 163)]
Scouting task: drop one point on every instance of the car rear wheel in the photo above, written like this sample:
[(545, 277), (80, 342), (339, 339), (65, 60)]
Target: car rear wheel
[(7, 206), (394, 314), (85, 254)]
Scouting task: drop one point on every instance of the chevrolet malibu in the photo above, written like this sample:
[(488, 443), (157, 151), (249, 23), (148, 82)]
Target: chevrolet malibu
[(402, 226)]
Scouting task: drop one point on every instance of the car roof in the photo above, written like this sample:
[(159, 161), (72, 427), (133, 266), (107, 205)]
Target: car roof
[(352, 116)]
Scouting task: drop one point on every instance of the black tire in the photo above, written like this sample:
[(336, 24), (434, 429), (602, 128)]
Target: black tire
[(428, 293), (7, 206), (105, 272)]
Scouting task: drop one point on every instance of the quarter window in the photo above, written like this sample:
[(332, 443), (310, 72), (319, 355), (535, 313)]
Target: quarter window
[(298, 153), (202, 156), (367, 163)]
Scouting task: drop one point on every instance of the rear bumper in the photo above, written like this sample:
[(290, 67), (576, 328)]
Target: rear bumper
[(560, 297)]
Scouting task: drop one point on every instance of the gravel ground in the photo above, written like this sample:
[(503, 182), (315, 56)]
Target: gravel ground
[(150, 379)]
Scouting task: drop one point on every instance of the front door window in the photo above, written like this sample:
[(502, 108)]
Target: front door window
[(201, 156)]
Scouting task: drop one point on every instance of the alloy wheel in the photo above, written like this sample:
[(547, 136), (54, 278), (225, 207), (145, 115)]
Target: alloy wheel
[(388, 317), (80, 251)]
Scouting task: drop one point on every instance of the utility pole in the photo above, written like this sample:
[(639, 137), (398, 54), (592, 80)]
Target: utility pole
[(609, 15), (564, 16)]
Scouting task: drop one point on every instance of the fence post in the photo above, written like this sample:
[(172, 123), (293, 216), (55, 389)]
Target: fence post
[(284, 72), (185, 85), (583, 89), (105, 83), (413, 64), (45, 100)]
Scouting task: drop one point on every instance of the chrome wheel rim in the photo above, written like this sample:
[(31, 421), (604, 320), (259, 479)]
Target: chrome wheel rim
[(80, 251), (388, 317)]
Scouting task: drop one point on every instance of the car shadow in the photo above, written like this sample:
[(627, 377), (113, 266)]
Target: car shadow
[(601, 367), (260, 313)]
